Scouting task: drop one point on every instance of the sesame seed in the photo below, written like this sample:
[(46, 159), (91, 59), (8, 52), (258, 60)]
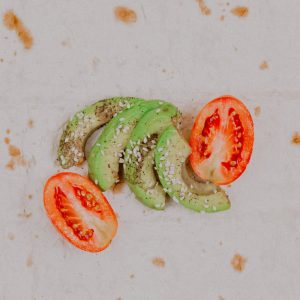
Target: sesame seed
[(158, 110)]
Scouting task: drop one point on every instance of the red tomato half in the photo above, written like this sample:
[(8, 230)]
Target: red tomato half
[(222, 140), (79, 211)]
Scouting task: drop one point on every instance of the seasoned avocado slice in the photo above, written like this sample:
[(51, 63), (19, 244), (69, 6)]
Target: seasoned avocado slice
[(84, 123), (139, 155), (171, 154), (107, 152)]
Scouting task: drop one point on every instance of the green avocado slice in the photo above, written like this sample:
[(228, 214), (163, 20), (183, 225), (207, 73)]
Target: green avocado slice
[(79, 128), (139, 155), (107, 153), (171, 154)]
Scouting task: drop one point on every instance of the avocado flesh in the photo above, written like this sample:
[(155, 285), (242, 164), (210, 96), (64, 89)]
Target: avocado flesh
[(139, 160), (107, 153), (170, 155), (84, 123)]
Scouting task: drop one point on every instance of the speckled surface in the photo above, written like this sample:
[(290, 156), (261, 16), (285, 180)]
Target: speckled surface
[(81, 53)]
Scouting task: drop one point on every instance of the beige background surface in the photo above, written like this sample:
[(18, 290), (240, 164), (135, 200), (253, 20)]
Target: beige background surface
[(173, 52)]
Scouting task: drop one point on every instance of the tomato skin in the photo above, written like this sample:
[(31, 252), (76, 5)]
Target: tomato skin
[(61, 204), (222, 140)]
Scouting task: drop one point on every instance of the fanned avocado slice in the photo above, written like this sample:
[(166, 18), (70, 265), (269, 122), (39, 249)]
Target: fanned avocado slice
[(171, 154), (107, 152), (84, 123), (139, 155)]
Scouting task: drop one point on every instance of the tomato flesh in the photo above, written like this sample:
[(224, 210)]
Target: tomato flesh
[(79, 211), (222, 140)]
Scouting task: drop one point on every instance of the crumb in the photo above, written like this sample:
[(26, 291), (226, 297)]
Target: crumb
[(132, 276), (203, 7), (12, 22), (6, 140), (30, 123), (1, 60), (238, 263), (117, 188), (14, 151), (264, 65), (221, 298), (257, 111), (66, 43), (158, 262), (7, 131), (29, 196), (10, 165), (125, 15), (240, 11), (296, 138), (25, 214), (222, 18), (11, 236), (29, 261)]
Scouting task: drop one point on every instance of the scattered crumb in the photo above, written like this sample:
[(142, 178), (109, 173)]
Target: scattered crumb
[(221, 298), (125, 15), (7, 131), (11, 236), (6, 140), (203, 8), (12, 22), (30, 123), (132, 276), (222, 18), (296, 138), (264, 65), (238, 262), (10, 165), (257, 111), (158, 262), (240, 11), (14, 151), (1, 60), (25, 214), (117, 188), (29, 196), (29, 261)]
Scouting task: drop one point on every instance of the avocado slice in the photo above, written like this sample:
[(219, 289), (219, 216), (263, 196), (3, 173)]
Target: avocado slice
[(84, 123), (139, 155), (171, 154), (107, 152)]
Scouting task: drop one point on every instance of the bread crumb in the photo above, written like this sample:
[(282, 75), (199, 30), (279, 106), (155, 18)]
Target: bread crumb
[(11, 236), (6, 140), (132, 276), (12, 22), (296, 138), (10, 165), (240, 11), (29, 261), (30, 123), (222, 18), (238, 263), (125, 14), (1, 59), (257, 111), (29, 196), (221, 298), (7, 131), (158, 262), (264, 65), (14, 151), (204, 8), (25, 214)]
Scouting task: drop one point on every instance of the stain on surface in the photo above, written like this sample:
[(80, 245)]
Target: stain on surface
[(29, 261), (25, 214), (240, 11), (16, 157), (11, 236), (238, 262), (205, 10), (264, 65), (7, 131), (296, 138), (257, 111), (6, 140), (12, 22), (14, 151), (30, 123), (158, 262), (125, 14)]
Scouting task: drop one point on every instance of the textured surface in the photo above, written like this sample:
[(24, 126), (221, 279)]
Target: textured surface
[(82, 53)]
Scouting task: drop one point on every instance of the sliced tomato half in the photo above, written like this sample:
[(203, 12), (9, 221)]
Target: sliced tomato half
[(79, 211), (222, 140)]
